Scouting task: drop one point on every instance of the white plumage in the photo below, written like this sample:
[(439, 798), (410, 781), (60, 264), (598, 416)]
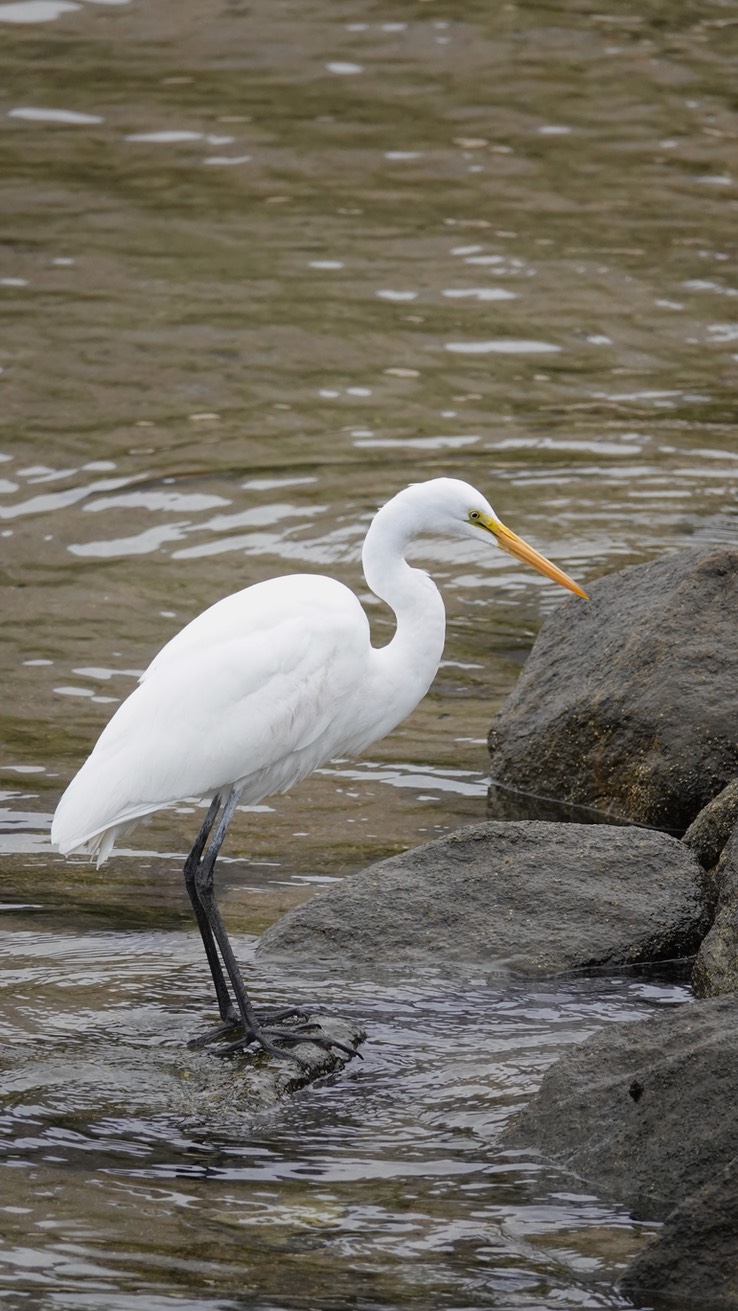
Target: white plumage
[(271, 682), (254, 693)]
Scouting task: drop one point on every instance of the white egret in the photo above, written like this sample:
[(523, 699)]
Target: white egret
[(257, 692)]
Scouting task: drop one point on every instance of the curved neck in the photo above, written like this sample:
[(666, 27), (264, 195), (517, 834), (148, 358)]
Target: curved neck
[(415, 651)]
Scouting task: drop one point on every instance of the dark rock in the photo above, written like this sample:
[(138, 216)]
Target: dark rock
[(693, 1261), (646, 1112), (716, 967), (627, 702), (529, 896), (709, 832)]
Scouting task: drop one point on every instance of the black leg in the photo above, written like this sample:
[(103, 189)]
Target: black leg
[(228, 1012), (204, 891)]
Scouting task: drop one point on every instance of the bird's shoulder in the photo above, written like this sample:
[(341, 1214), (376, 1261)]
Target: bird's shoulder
[(296, 609)]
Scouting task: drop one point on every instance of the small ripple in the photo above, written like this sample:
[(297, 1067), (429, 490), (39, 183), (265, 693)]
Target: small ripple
[(459, 781), (479, 293), (706, 284), (397, 295), (52, 501), (94, 671), (174, 137), (723, 332), (269, 484), (455, 442), (144, 543), (502, 263), (156, 501), (225, 161), (69, 117), (36, 11), (502, 346)]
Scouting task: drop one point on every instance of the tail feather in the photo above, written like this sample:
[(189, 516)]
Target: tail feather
[(98, 846), (76, 828)]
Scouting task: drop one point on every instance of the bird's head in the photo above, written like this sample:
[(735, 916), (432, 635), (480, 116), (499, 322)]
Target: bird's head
[(456, 508)]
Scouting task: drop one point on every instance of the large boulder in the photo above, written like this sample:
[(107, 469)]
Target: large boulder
[(532, 897), (627, 702)]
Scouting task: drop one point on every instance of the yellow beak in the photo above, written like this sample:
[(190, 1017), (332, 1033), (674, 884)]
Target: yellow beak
[(514, 545)]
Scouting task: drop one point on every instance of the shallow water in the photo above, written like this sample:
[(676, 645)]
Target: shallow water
[(261, 267), (384, 1187)]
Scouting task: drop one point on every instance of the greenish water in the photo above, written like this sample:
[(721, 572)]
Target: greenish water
[(260, 266)]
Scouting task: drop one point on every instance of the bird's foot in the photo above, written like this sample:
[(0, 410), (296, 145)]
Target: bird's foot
[(269, 1039), (232, 1020), (214, 1035)]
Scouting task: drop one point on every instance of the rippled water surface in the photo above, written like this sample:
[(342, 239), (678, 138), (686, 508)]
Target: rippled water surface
[(262, 265)]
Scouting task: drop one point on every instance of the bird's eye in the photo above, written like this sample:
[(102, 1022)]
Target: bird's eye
[(475, 515)]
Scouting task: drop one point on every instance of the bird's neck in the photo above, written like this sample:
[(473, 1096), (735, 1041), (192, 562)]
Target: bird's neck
[(415, 651)]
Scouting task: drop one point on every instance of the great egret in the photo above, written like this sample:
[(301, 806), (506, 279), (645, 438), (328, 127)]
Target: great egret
[(261, 689)]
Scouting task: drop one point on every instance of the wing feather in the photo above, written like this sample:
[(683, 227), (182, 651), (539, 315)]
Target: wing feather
[(256, 691)]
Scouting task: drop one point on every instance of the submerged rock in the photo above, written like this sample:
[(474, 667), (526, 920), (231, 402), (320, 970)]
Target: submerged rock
[(647, 1113), (627, 702), (532, 897), (254, 1082), (140, 1064)]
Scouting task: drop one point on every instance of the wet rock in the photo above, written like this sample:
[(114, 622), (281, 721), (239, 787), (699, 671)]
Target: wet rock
[(531, 897), (647, 1111), (694, 1259), (256, 1082), (716, 967), (709, 832), (627, 702)]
